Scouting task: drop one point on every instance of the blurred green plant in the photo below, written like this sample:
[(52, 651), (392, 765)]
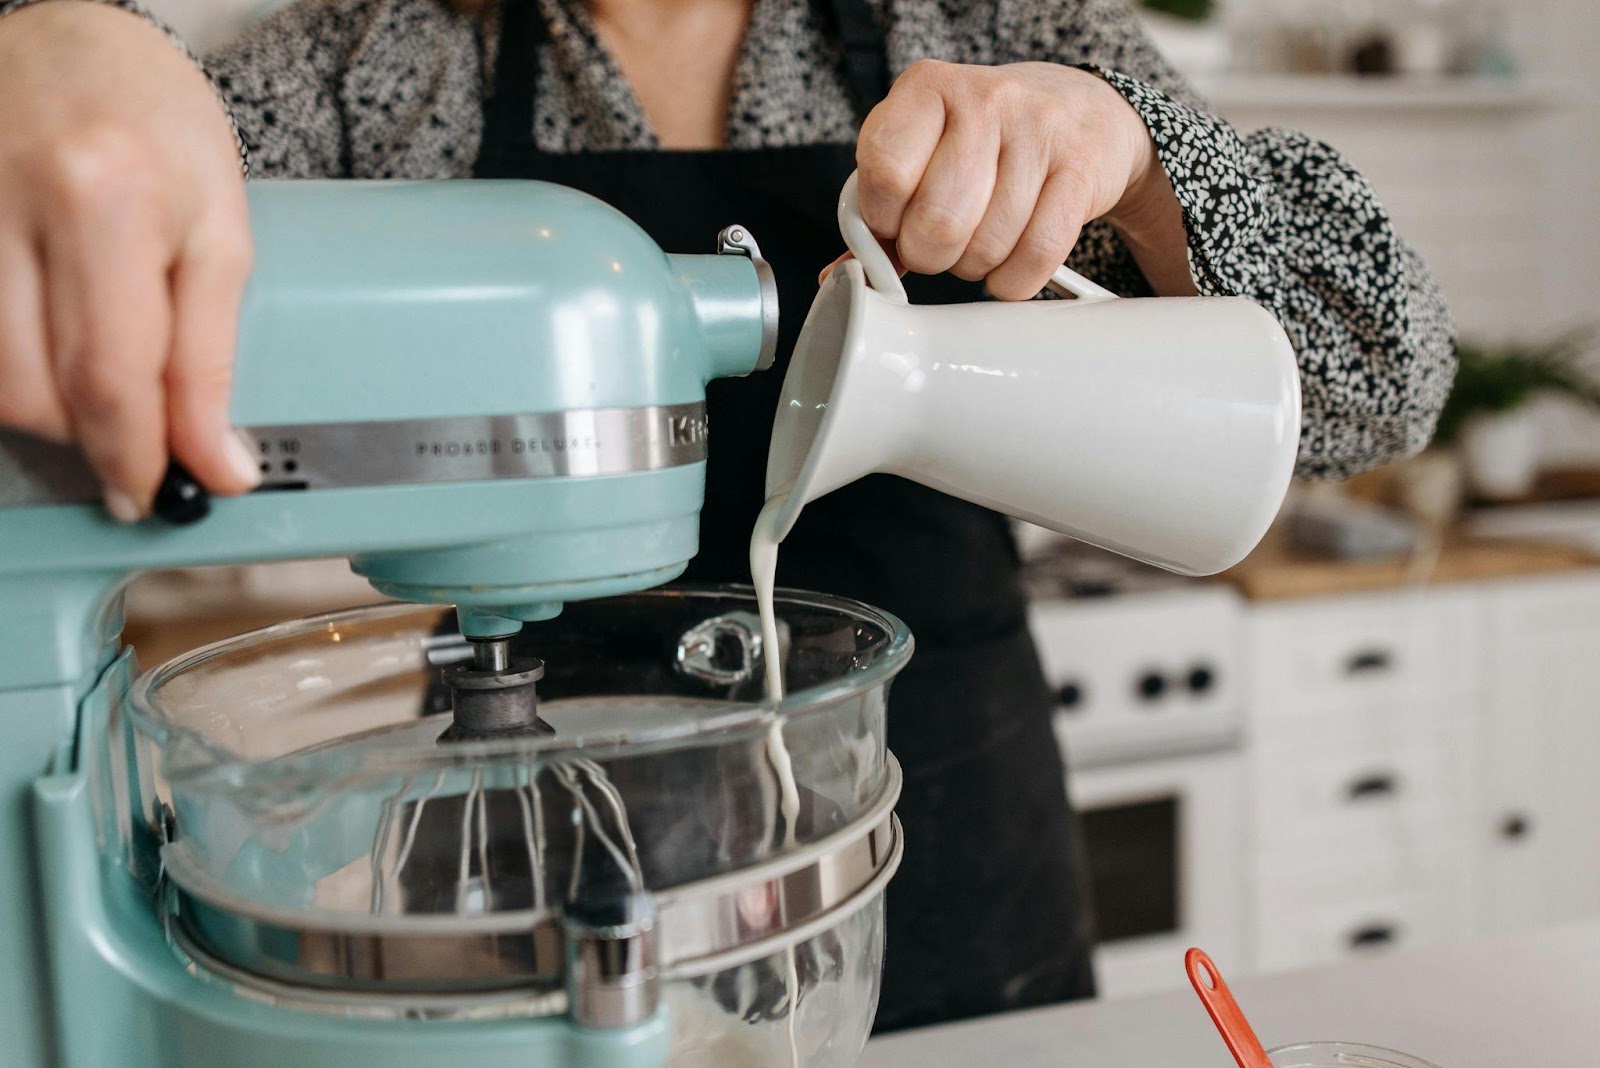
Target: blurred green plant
[(1494, 379), (1193, 10)]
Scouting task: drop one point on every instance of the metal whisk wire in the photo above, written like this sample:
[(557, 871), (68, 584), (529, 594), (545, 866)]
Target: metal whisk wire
[(532, 808), (619, 812), (595, 803), (627, 860), (380, 843), (385, 883), (474, 832)]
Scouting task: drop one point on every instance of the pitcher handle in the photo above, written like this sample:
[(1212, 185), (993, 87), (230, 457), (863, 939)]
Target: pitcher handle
[(864, 246), (1069, 283)]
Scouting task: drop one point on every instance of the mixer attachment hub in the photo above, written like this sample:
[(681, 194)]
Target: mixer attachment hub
[(612, 954), (494, 695)]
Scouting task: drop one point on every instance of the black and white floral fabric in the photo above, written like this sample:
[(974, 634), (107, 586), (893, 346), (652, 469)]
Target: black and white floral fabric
[(394, 88)]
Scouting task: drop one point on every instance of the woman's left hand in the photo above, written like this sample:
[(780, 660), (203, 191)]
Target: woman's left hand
[(991, 172)]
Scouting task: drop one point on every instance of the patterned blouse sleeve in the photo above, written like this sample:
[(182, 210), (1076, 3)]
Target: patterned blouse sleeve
[(356, 89), (1283, 219), (281, 80)]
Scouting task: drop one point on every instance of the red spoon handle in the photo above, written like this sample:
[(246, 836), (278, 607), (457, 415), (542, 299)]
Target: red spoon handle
[(1225, 1012)]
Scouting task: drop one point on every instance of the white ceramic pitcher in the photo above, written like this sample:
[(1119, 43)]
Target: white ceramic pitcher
[(1164, 429)]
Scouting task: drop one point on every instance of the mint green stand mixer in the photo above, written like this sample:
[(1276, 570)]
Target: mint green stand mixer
[(276, 852)]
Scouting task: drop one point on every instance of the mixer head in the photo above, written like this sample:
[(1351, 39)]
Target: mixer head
[(483, 394)]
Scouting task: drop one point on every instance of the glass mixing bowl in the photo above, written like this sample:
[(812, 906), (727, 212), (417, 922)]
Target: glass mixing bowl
[(1341, 1055), (324, 845)]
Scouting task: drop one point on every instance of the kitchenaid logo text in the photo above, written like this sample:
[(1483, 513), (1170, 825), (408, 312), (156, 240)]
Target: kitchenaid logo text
[(687, 429), (513, 446)]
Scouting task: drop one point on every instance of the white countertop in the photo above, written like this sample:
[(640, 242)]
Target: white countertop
[(1526, 1001)]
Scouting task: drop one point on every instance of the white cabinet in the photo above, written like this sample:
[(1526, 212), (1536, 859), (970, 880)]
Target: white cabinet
[(1423, 765), (1358, 901), (1374, 668), (1412, 767), (1360, 748), (1538, 824)]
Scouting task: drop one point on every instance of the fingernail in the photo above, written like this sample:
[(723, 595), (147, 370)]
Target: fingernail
[(241, 460), (122, 507)]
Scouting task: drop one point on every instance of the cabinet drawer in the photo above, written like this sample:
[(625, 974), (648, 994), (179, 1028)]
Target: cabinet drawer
[(1400, 795), (1332, 664), (1363, 904), (1319, 931)]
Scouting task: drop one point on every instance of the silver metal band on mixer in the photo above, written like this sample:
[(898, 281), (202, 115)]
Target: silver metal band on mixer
[(512, 963), (576, 443), (589, 441)]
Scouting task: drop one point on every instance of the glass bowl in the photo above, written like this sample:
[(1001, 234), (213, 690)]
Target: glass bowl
[(1342, 1055), (322, 844)]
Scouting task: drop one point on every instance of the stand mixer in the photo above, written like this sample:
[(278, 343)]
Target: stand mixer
[(300, 847)]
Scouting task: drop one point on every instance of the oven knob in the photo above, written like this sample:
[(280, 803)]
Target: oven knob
[(1152, 686), (1202, 679), (1070, 695)]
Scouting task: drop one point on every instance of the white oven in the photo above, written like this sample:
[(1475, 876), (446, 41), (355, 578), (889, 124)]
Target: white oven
[(1149, 717), (1165, 845)]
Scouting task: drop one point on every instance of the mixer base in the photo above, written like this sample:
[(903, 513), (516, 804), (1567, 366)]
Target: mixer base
[(152, 1010)]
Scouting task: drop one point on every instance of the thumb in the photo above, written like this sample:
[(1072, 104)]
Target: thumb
[(829, 269), (888, 248)]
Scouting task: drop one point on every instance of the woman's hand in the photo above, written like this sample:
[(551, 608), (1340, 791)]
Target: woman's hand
[(124, 250), (991, 172)]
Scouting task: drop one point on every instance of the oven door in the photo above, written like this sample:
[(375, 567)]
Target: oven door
[(1166, 851)]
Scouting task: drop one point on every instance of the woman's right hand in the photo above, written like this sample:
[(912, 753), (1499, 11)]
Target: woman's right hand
[(124, 251)]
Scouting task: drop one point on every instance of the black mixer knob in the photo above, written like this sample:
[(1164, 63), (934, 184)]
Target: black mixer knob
[(181, 500), (1202, 679), (1070, 695), (1152, 686)]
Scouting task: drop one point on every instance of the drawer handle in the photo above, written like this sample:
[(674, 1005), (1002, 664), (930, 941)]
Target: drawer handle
[(1515, 827), (1373, 786), (1378, 934), (1368, 662)]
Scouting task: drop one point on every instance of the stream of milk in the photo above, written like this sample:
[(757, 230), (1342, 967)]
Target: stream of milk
[(763, 573)]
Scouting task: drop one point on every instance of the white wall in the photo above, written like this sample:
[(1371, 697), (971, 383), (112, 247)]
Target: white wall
[(1464, 185), (207, 23), (1560, 36), (1504, 205)]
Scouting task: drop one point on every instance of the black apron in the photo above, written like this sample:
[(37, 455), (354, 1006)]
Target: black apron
[(987, 912)]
